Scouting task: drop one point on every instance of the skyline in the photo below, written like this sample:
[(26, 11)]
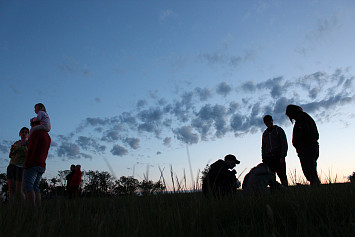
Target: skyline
[(134, 85)]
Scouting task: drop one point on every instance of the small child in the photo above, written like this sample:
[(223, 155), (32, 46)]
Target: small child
[(42, 121)]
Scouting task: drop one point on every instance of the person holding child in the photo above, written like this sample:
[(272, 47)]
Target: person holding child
[(42, 121), (35, 164)]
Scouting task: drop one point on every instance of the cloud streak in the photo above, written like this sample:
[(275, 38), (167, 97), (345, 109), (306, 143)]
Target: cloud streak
[(203, 114)]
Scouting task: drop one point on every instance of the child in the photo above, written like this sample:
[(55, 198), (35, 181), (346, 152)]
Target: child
[(42, 121)]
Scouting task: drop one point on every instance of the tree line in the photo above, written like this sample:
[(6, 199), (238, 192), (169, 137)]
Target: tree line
[(94, 184)]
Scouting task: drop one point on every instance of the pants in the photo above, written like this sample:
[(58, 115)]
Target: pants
[(278, 167), (308, 158)]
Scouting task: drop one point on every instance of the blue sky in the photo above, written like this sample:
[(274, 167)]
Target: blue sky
[(142, 84)]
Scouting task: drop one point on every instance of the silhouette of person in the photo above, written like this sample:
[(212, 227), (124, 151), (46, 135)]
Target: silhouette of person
[(69, 178), (15, 169), (305, 139), (260, 181), (75, 182), (220, 180), (35, 164), (274, 149)]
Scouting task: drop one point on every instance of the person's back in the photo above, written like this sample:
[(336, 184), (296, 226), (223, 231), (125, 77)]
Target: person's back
[(258, 179), (221, 181), (38, 148)]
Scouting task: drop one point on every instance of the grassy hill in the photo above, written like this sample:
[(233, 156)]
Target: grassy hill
[(327, 210)]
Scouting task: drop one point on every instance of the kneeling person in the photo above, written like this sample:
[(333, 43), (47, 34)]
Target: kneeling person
[(220, 179)]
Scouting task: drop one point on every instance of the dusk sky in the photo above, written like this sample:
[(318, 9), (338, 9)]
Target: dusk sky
[(139, 86)]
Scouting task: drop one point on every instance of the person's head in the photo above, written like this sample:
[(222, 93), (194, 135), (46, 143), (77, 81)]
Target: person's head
[(231, 160), (78, 167), (24, 133), (40, 107), (268, 121), (72, 167), (292, 111)]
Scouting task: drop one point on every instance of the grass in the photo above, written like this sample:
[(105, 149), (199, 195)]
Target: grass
[(328, 210)]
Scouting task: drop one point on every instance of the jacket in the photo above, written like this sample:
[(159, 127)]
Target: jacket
[(274, 142), (305, 132)]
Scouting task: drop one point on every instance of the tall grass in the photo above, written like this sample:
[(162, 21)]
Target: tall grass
[(328, 210)]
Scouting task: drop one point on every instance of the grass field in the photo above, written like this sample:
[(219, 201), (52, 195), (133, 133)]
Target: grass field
[(328, 210)]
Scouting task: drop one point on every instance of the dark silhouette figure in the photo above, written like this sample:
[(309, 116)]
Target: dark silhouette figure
[(75, 182), (274, 149), (305, 139), (260, 181), (35, 164), (220, 180), (69, 178)]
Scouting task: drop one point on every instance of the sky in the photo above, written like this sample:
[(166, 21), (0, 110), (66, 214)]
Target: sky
[(162, 88)]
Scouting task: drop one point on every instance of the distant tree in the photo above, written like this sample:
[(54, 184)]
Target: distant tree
[(126, 185), (4, 186), (98, 183), (205, 172), (44, 187), (62, 174), (149, 187), (352, 178)]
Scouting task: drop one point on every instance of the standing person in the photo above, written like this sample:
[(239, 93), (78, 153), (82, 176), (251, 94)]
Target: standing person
[(305, 139), (75, 182), (220, 179), (35, 164), (15, 169), (69, 178), (274, 149), (42, 119)]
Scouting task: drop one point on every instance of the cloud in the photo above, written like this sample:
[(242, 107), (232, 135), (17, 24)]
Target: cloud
[(324, 27), (221, 58), (118, 150), (4, 149), (203, 93), (223, 89), (167, 141), (186, 135), (91, 144), (197, 114), (132, 142), (69, 150), (72, 66), (166, 14)]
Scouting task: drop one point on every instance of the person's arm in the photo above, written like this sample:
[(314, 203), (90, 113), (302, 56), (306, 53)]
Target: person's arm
[(13, 150), (284, 145)]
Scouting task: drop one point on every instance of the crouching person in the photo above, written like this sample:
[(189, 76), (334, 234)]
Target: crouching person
[(35, 165), (220, 180), (260, 181)]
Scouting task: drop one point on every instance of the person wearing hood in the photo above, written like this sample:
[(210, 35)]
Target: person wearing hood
[(274, 149), (305, 139)]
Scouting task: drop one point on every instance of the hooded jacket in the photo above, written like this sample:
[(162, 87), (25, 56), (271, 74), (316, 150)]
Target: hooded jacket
[(274, 142), (305, 132)]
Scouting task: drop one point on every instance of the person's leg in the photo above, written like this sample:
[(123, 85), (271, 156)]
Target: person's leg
[(308, 158), (19, 183), (40, 171), (281, 172), (11, 183), (30, 177)]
